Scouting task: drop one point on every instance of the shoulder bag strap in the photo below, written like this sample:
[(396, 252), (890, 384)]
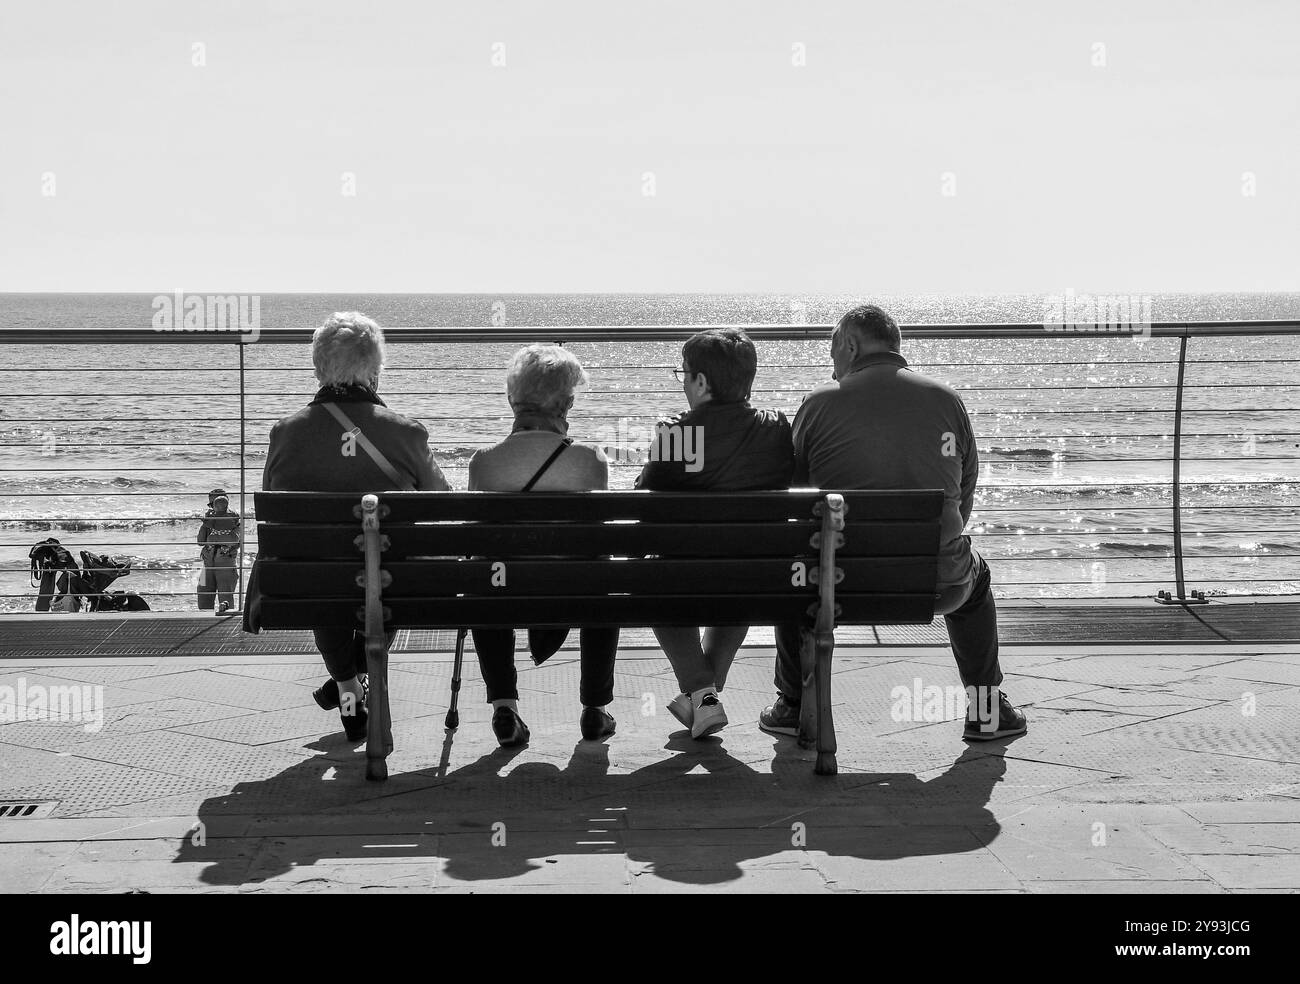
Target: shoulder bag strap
[(559, 450), (377, 456)]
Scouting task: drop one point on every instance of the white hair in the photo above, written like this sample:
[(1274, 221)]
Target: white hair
[(543, 378), (348, 349)]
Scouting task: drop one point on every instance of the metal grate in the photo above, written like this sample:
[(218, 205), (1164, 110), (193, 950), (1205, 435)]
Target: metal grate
[(26, 809)]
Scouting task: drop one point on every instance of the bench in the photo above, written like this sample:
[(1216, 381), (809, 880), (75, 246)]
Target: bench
[(461, 560)]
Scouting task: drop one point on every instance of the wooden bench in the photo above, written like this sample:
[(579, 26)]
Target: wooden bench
[(459, 560)]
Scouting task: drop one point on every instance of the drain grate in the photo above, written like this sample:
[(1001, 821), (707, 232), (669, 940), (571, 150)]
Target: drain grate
[(26, 809)]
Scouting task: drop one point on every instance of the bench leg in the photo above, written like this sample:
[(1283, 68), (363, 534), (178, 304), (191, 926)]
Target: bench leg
[(808, 702), (826, 746), (379, 731)]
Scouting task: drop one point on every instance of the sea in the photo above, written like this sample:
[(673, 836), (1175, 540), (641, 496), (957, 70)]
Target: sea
[(112, 448)]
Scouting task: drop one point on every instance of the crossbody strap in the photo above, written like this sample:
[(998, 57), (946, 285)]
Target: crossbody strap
[(559, 450), (377, 456)]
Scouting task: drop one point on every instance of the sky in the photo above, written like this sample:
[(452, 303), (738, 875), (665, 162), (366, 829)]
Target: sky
[(801, 146)]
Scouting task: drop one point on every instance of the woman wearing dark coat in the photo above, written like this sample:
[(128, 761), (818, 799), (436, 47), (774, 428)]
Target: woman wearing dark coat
[(347, 440)]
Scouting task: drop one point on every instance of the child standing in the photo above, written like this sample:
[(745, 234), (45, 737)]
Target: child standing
[(220, 537)]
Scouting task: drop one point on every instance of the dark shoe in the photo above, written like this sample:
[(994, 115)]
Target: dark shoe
[(1005, 723), (355, 724), (596, 724), (327, 695), (509, 728), (781, 718)]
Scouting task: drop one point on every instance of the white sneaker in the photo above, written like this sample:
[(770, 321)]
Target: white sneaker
[(709, 717), (680, 708)]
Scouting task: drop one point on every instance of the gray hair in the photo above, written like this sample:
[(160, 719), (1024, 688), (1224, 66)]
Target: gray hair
[(348, 349), (873, 327), (543, 378)]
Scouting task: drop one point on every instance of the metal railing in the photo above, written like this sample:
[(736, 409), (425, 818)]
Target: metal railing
[(241, 399)]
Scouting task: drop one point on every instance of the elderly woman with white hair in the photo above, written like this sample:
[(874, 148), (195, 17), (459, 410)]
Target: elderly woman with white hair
[(539, 456), (308, 453)]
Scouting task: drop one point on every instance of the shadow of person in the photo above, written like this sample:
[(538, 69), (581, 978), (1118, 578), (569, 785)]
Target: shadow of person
[(326, 794), (747, 817), (700, 815), (527, 818)]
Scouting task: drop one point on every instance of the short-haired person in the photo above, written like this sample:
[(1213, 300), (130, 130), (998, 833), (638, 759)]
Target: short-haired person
[(880, 425), (310, 452), (735, 448), (541, 381)]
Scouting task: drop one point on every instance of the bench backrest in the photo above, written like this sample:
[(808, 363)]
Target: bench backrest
[(474, 559)]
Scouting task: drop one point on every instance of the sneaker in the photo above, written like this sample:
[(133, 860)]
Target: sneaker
[(680, 708), (223, 608), (781, 718), (709, 717), (509, 728), (1006, 722), (596, 724)]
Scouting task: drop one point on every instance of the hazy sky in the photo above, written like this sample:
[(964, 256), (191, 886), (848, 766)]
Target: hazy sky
[(767, 175)]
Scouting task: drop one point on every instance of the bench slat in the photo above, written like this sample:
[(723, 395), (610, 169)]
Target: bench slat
[(793, 539), (628, 611), (323, 508), (426, 578)]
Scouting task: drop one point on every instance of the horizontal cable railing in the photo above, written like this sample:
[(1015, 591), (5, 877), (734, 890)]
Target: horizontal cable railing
[(1177, 469)]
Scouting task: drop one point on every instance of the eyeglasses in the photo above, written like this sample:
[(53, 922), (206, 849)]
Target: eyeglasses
[(681, 374)]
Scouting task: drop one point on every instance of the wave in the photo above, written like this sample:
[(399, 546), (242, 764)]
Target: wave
[(126, 524), (1134, 549), (1045, 454), (17, 484), (455, 453)]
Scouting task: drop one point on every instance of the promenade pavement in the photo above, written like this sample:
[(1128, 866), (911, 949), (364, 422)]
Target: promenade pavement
[(1147, 768)]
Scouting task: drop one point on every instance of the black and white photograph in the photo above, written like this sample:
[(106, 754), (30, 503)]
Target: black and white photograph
[(681, 448)]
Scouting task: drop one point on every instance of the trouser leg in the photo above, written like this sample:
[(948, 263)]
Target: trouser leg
[(973, 633), (224, 576), (496, 661), (789, 674), (599, 649), (207, 591), (721, 642), (681, 644), (337, 649)]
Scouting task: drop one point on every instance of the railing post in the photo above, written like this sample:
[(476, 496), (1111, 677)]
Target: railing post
[(1197, 597), (243, 514)]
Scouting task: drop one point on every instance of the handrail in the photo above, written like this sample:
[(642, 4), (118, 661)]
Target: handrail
[(633, 333), (1145, 417)]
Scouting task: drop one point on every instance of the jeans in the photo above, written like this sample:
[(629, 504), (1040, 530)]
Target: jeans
[(699, 664), (972, 632), (344, 650), (496, 660)]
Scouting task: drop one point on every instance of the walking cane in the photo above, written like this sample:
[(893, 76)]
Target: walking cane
[(453, 716)]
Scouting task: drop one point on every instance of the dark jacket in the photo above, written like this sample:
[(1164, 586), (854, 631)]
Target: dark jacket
[(308, 453), (722, 446), (886, 427)]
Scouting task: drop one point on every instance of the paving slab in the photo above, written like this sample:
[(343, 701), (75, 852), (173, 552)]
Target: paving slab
[(218, 773)]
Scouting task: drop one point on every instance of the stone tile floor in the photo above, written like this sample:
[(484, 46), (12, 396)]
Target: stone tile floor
[(1146, 768)]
